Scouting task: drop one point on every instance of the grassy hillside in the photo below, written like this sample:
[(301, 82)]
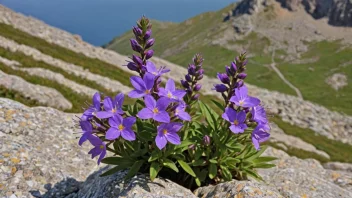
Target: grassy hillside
[(179, 42)]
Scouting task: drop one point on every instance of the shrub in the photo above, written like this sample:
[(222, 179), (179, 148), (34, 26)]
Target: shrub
[(170, 130)]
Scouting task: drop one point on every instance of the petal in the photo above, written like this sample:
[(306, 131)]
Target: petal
[(184, 116), (102, 155), (136, 94), (83, 138), (162, 92), (138, 83), (230, 114), (95, 151), (179, 94), (151, 67), (255, 143), (170, 85), (161, 128), (128, 134), (86, 126), (164, 71), (236, 129), (94, 140), (116, 120), (241, 92), (145, 114), (173, 138), (119, 98), (160, 141), (162, 103), (235, 99), (104, 114), (149, 101), (108, 105), (162, 116), (174, 126), (250, 102), (129, 121), (96, 101), (241, 116), (112, 134), (148, 80), (243, 126)]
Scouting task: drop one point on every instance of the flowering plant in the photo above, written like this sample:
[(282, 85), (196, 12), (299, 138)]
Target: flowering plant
[(164, 131)]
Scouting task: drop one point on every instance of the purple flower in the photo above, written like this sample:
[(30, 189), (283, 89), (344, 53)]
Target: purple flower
[(149, 54), (242, 99), (181, 113), (132, 66), (224, 78), (137, 60), (135, 46), (121, 126), (155, 109), (142, 86), (171, 92), (188, 78), (156, 72), (220, 88), (148, 33), (87, 129), (185, 84), (99, 148), (137, 31), (168, 133), (197, 87), (242, 76), (259, 114), (236, 120), (91, 111), (149, 43), (259, 135), (112, 107)]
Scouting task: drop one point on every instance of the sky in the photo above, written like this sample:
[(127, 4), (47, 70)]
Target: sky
[(99, 21)]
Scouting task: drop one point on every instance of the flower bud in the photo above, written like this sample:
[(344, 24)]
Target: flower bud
[(245, 62), (192, 70), (228, 71), (220, 88), (184, 84), (242, 76), (188, 78), (195, 97), (137, 60), (239, 84), (224, 78), (132, 66), (150, 43), (200, 77), (192, 146), (135, 46), (233, 67), (149, 54), (137, 31), (148, 34), (189, 91), (200, 72), (206, 140), (197, 87)]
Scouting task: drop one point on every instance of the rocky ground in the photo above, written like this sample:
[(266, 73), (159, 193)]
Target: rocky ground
[(39, 157)]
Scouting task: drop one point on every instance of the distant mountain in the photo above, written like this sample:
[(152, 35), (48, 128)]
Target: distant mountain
[(297, 47)]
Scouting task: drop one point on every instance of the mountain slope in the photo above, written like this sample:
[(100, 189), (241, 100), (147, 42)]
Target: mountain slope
[(308, 52)]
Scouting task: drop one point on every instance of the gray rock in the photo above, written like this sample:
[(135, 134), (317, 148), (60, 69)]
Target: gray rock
[(338, 166)]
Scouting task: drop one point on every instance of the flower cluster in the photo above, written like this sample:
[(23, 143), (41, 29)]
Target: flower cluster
[(170, 127), (195, 74)]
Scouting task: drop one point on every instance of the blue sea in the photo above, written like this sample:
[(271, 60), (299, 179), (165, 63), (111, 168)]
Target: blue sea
[(98, 21)]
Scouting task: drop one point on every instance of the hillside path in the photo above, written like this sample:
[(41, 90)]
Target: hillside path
[(273, 66)]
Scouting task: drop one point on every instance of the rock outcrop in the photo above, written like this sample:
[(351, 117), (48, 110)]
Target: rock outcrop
[(39, 157)]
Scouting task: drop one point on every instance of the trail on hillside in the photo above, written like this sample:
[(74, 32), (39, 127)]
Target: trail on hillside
[(278, 72)]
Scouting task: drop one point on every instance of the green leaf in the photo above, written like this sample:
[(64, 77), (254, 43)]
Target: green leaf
[(113, 170), (121, 161), (212, 170), (154, 156), (198, 182), (198, 153), (186, 167), (213, 161), (178, 157), (209, 115), (253, 174), (170, 164), (134, 169), (221, 107), (154, 170), (198, 162), (264, 165), (227, 174), (263, 159)]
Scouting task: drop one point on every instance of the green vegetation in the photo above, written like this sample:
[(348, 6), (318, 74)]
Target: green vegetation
[(310, 77), (77, 100), (337, 150), (19, 97), (92, 64)]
